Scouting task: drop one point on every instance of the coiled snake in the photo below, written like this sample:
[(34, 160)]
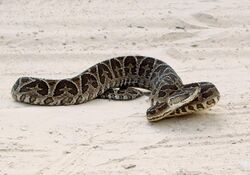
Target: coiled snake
[(115, 79)]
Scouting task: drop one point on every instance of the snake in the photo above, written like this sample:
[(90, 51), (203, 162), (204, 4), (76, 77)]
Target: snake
[(122, 78)]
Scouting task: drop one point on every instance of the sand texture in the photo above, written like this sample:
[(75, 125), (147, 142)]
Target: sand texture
[(203, 40)]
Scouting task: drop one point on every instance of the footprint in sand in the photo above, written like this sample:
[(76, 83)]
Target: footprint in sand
[(173, 36), (207, 19)]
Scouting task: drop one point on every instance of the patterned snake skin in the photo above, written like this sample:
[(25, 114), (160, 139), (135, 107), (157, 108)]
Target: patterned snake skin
[(115, 79)]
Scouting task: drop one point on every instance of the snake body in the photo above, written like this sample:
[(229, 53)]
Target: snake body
[(169, 96)]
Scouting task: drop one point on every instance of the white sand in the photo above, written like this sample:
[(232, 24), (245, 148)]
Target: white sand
[(58, 39)]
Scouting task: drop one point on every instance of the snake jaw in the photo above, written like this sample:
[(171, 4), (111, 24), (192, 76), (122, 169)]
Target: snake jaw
[(158, 111)]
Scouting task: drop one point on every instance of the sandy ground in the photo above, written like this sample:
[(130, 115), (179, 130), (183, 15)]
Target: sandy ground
[(205, 40)]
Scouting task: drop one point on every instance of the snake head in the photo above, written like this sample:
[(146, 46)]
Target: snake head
[(158, 111), (177, 99)]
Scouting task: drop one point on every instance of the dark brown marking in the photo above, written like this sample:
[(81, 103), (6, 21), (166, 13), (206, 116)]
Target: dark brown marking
[(161, 106), (172, 113), (110, 91), (48, 100), (169, 87), (167, 71), (199, 106), (178, 111), (207, 94), (93, 70), (196, 99), (130, 65), (65, 84), (159, 70), (42, 86), (191, 85), (120, 59), (108, 65), (134, 92), (165, 80), (76, 80), (52, 82), (210, 102), (66, 100), (191, 108), (116, 67), (146, 67), (22, 98), (79, 99), (183, 109), (25, 80), (104, 73), (172, 77), (205, 86), (32, 99), (87, 81), (162, 94), (158, 62), (70, 99)]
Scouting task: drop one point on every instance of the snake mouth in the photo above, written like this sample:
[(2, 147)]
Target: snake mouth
[(158, 117)]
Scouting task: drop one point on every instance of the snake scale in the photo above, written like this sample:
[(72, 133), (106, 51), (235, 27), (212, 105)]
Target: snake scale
[(117, 79)]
